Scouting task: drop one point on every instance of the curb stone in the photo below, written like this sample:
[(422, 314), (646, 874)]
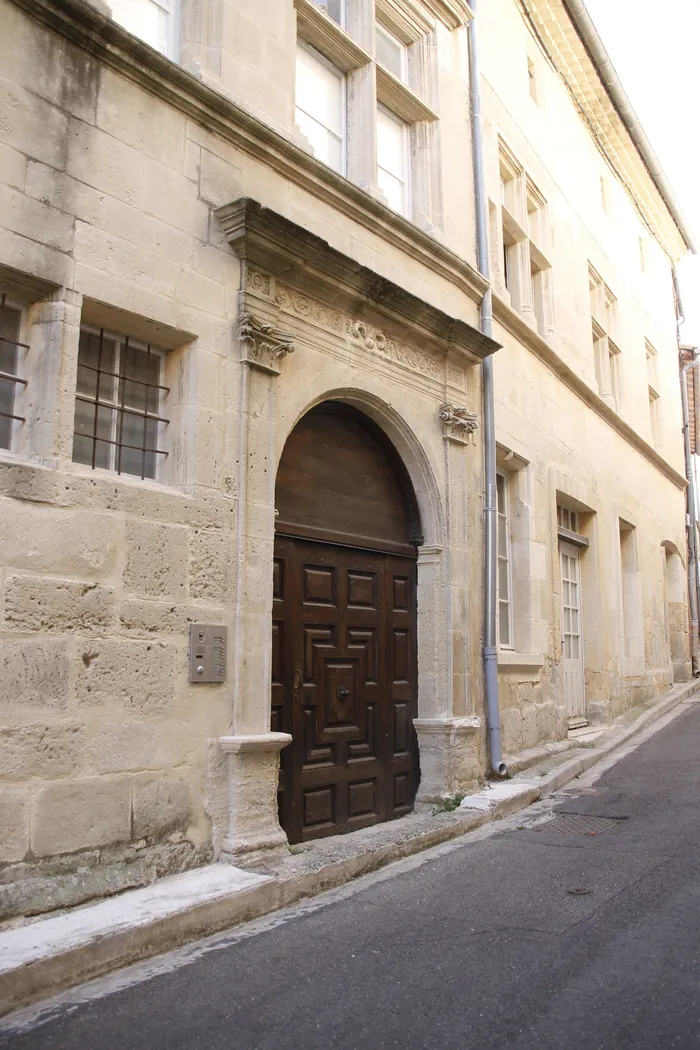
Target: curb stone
[(56, 953)]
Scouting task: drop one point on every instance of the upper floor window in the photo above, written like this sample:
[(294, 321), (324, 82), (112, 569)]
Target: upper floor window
[(335, 9), (392, 160), (504, 587), (567, 518), (525, 266), (119, 423), (390, 52), (607, 358), (154, 21), (320, 107), (653, 388), (532, 81), (642, 255), (11, 361)]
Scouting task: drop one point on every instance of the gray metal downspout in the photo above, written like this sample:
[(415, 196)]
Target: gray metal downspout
[(691, 503), (493, 713), (692, 519)]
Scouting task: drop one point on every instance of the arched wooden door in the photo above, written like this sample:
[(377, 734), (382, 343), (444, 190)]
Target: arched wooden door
[(344, 677)]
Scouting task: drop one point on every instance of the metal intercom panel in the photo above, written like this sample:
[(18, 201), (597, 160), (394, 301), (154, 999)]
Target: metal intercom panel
[(207, 652)]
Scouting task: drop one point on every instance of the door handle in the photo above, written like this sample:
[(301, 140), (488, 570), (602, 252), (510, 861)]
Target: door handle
[(343, 693), (297, 683)]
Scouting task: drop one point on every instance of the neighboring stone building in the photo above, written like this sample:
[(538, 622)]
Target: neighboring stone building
[(241, 389)]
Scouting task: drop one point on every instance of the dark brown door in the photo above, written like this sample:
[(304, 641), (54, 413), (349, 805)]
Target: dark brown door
[(344, 685), (344, 680)]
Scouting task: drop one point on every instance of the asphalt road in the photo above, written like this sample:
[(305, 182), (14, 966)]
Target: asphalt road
[(537, 937)]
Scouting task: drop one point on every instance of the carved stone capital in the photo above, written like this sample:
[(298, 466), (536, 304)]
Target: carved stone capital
[(263, 345), (458, 423)]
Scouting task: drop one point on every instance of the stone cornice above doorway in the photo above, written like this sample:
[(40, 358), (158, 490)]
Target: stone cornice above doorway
[(266, 241)]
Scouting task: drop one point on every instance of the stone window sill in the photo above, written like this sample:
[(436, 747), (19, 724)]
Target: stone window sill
[(511, 661), (319, 30)]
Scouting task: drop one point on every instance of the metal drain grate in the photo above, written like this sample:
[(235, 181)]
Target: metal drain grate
[(580, 824)]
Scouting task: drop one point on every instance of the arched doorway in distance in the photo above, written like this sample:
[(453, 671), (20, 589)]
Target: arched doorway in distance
[(344, 669)]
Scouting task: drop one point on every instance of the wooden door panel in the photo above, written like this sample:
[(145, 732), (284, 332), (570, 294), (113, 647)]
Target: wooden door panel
[(344, 673)]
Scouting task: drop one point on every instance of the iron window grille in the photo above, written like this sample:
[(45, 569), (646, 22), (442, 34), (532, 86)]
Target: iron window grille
[(10, 380), (118, 406)]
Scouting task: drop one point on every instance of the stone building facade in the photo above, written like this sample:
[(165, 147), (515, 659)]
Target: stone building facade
[(200, 267)]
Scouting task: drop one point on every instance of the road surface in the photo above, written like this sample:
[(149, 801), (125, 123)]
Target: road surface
[(552, 931)]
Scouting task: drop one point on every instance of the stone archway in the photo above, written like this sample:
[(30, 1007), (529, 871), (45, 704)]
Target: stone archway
[(344, 667)]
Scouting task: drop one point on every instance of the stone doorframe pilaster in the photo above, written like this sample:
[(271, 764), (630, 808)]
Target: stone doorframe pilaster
[(269, 245)]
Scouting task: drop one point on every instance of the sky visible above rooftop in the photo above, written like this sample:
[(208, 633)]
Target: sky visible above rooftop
[(655, 48)]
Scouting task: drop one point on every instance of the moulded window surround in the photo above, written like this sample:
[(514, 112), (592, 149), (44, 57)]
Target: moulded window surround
[(156, 22), (525, 267), (607, 357), (328, 38), (652, 360), (12, 361), (393, 165), (521, 628), (615, 367), (119, 421), (504, 578), (655, 418), (532, 81), (631, 598), (390, 52), (642, 254), (320, 107)]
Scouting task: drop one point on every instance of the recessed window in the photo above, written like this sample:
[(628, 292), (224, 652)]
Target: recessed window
[(320, 107), (392, 160), (642, 255), (654, 395), (11, 383), (505, 613), (153, 21), (567, 519), (335, 9), (607, 357), (390, 52), (119, 423), (532, 80)]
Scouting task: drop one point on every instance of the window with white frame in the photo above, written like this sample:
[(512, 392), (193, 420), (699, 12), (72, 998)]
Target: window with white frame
[(607, 358), (320, 106), (390, 52), (154, 21), (393, 172), (11, 359), (504, 587), (654, 392), (119, 422)]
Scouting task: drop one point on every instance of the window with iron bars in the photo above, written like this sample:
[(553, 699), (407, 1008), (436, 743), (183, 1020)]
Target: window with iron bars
[(11, 383), (119, 402)]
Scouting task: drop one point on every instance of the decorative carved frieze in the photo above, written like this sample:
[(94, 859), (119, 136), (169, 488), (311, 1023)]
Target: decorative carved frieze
[(262, 344), (351, 329), (458, 423)]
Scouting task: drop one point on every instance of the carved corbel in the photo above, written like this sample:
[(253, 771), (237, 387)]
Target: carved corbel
[(458, 423), (262, 344)]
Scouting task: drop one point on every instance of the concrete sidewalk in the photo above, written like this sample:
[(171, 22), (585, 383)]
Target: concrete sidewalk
[(52, 954)]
